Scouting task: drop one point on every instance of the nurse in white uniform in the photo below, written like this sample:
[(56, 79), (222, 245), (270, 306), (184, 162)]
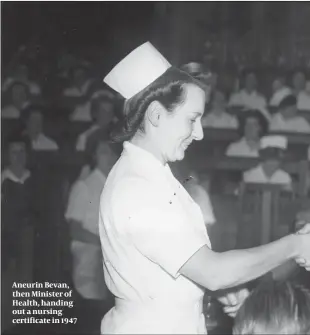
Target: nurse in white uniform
[(156, 250), (269, 170)]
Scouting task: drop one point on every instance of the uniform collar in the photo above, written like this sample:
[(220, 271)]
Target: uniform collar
[(143, 160), (263, 173), (8, 174)]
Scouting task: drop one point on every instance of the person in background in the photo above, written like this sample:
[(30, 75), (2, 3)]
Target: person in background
[(82, 216), (16, 216), (279, 91), (252, 126), (196, 187), (218, 117), (79, 82), (19, 99), (33, 117), (271, 153), (82, 112), (249, 97), (303, 98), (15, 195), (21, 74), (298, 81), (287, 120), (275, 307), (102, 112)]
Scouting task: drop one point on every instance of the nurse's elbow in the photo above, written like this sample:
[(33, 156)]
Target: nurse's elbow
[(203, 269)]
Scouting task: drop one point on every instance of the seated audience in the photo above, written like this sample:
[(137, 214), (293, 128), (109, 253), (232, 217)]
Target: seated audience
[(249, 97), (82, 215), (287, 120), (252, 125), (218, 117), (279, 91), (79, 82), (34, 129), (271, 153), (82, 112), (298, 81), (275, 307), (303, 98), (19, 99), (102, 112), (21, 74)]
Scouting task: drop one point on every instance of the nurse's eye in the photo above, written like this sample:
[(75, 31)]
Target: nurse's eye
[(192, 121)]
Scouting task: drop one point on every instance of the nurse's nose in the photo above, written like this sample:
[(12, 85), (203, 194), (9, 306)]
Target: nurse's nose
[(198, 131)]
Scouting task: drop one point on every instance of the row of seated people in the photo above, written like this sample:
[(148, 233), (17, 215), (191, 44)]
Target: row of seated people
[(77, 92), (251, 124), (48, 134), (286, 118), (246, 90), (249, 96), (250, 144)]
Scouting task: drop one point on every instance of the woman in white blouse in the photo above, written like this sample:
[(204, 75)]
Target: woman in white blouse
[(249, 97), (252, 126), (218, 116)]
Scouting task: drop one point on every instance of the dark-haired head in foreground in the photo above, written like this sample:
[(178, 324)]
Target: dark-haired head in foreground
[(275, 308)]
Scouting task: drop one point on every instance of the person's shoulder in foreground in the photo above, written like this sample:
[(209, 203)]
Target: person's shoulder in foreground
[(275, 307)]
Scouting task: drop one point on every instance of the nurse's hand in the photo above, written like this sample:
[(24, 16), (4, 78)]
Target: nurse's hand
[(232, 301)]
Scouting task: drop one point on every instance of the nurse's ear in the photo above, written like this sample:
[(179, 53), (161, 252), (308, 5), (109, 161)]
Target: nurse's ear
[(154, 113)]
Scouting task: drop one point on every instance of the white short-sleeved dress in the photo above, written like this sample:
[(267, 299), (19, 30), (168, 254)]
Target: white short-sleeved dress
[(149, 228)]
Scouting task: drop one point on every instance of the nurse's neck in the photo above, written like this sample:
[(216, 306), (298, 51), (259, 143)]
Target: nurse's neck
[(149, 145)]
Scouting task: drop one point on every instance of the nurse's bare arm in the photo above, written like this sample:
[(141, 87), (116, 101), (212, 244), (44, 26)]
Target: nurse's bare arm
[(216, 271), (78, 233)]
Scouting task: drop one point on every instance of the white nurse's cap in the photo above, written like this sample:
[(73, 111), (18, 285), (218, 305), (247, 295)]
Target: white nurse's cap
[(137, 70), (273, 141)]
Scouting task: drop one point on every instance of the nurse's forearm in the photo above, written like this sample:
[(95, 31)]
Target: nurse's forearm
[(216, 271), (237, 267)]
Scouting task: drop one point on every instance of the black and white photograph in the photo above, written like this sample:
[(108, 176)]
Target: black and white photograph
[(155, 167)]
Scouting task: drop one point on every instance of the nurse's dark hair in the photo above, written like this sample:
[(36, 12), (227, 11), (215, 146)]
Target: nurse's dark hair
[(275, 307), (252, 113), (168, 90)]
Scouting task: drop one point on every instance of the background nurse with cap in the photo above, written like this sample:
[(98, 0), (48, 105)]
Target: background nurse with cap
[(157, 254)]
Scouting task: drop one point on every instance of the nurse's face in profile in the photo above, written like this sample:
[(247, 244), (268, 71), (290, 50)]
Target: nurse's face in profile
[(177, 130)]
